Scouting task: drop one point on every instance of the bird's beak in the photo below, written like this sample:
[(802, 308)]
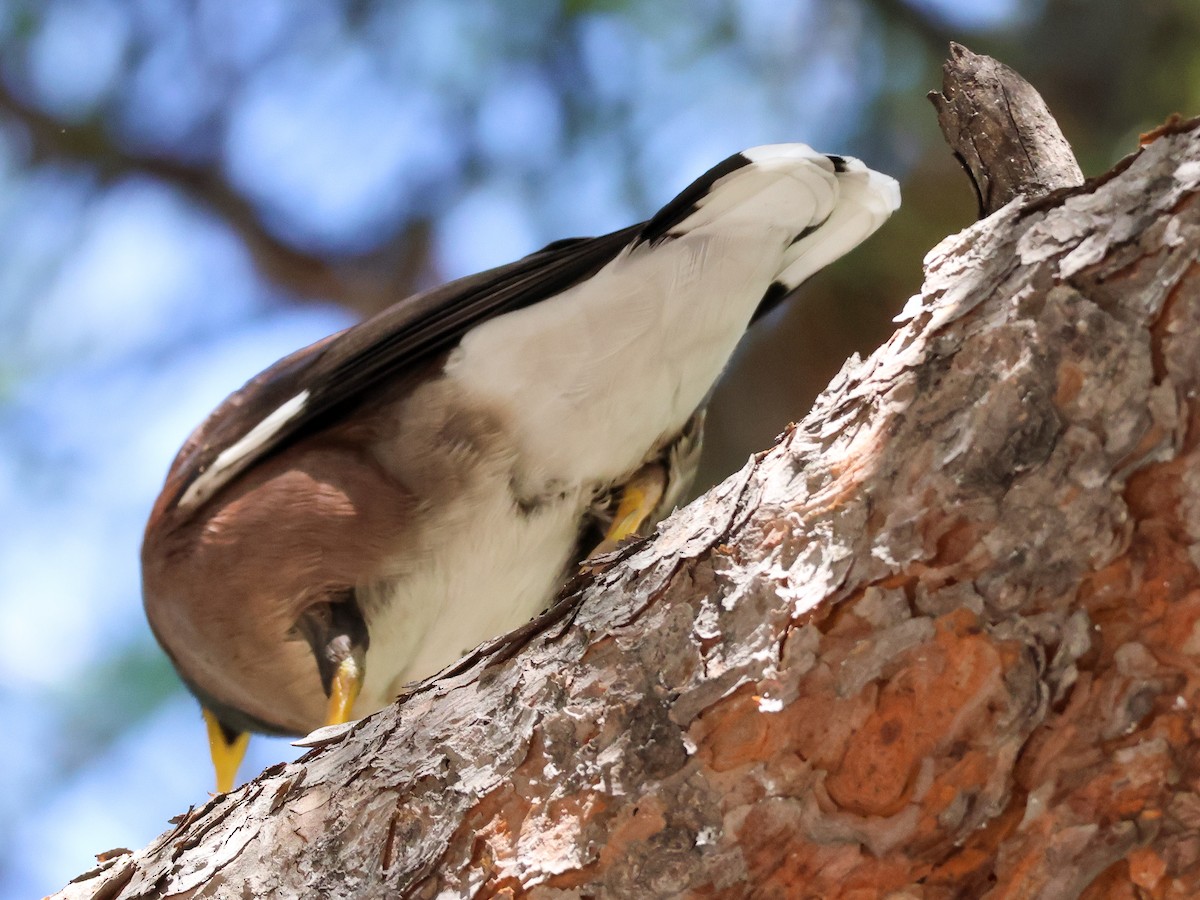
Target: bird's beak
[(343, 691), (227, 748)]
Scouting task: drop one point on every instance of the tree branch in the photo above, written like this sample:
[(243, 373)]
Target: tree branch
[(925, 26), (366, 284), (1001, 131)]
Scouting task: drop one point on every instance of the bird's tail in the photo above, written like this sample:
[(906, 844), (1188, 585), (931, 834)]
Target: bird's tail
[(824, 205), (865, 200)]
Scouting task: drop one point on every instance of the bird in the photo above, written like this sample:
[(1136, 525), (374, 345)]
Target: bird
[(370, 507)]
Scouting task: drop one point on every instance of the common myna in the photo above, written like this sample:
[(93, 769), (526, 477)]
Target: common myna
[(370, 507)]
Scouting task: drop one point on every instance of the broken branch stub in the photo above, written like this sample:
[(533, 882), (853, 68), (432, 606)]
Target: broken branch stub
[(1002, 132)]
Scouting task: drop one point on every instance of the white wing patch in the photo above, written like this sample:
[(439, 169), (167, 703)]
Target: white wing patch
[(229, 462)]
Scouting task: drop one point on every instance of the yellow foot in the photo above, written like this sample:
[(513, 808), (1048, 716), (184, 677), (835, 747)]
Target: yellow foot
[(347, 682), (639, 499)]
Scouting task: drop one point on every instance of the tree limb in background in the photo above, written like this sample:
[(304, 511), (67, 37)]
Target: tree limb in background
[(365, 285), (918, 21), (940, 639)]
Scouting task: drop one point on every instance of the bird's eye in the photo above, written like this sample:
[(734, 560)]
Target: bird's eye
[(321, 614), (318, 617)]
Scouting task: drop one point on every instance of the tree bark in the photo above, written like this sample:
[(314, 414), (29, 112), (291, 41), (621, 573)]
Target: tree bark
[(1001, 131), (943, 640)]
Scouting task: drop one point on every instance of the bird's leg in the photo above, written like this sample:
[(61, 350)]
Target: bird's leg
[(657, 486), (227, 747), (343, 691), (639, 501), (337, 633)]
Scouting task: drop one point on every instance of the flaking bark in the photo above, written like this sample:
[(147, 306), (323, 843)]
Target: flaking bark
[(943, 640)]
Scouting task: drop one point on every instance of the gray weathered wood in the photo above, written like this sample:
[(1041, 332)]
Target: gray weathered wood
[(1001, 131)]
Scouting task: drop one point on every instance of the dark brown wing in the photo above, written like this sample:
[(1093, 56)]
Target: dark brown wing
[(314, 387), (317, 385)]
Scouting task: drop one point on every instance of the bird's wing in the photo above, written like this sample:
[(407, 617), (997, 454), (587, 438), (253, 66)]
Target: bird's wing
[(318, 384)]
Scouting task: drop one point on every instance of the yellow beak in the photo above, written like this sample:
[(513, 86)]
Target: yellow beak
[(227, 752), (228, 749)]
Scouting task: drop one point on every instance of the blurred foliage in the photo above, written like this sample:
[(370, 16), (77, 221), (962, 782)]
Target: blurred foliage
[(119, 691), (179, 177)]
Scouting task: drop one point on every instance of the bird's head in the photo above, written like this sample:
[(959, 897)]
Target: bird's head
[(253, 594)]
